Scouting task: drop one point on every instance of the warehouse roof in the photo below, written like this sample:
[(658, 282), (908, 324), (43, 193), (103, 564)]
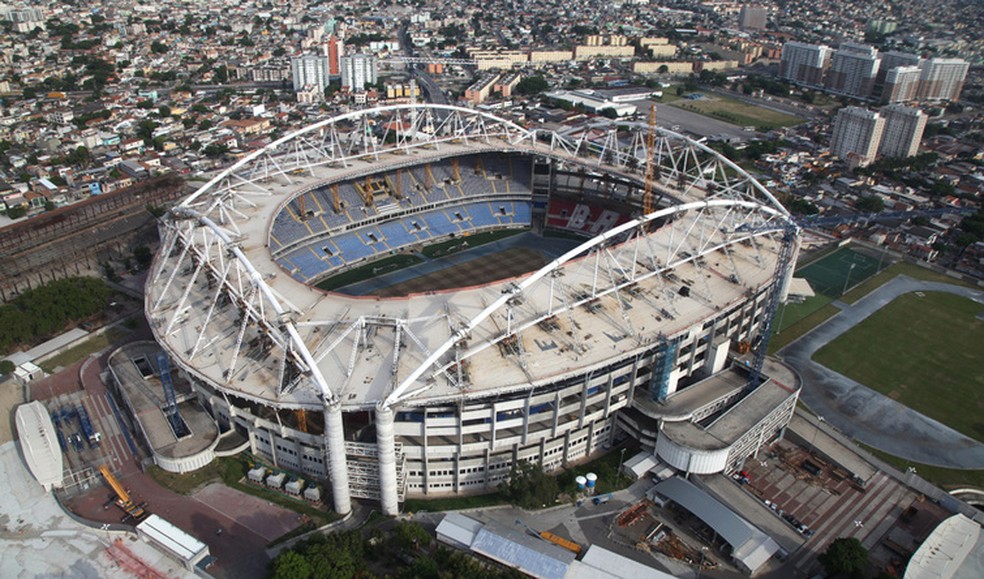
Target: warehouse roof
[(751, 547)]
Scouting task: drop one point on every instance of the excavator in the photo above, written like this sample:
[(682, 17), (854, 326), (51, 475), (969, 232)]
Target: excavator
[(123, 499)]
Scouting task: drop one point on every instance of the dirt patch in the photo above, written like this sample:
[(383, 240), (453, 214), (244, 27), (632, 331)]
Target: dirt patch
[(261, 517)]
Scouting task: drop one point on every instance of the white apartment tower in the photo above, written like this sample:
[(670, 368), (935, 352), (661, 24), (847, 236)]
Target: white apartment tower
[(358, 70), (857, 134), (853, 68), (803, 63), (901, 84), (903, 131), (309, 70), (942, 79)]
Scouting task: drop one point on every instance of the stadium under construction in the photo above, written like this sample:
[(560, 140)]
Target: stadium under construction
[(675, 259)]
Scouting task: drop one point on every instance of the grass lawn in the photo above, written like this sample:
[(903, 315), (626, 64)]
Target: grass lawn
[(368, 271), (738, 113), (453, 503), (89, 346), (945, 478), (794, 320), (669, 96), (924, 352), (801, 327)]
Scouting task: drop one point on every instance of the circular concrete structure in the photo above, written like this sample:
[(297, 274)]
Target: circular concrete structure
[(441, 392)]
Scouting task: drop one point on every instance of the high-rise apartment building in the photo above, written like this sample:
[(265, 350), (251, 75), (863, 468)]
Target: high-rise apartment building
[(901, 84), (893, 59), (903, 131), (803, 63), (853, 68), (942, 79), (334, 51), (857, 135), (358, 70), (309, 70), (753, 17)]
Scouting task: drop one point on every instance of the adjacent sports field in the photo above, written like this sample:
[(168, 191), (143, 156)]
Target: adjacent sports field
[(924, 350), (844, 267), (737, 112)]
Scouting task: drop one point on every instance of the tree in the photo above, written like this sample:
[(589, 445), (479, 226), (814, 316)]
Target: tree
[(16, 212), (532, 85), (291, 565), (410, 535), (158, 47), (529, 487), (143, 256), (608, 112), (7, 367), (845, 555), (869, 204)]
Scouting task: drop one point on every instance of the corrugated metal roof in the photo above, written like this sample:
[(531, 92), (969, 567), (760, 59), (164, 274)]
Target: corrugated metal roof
[(530, 555), (751, 546), (459, 528), (599, 563)]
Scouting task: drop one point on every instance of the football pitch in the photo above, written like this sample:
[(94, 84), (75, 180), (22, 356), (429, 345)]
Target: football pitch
[(486, 269), (844, 268), (923, 350)]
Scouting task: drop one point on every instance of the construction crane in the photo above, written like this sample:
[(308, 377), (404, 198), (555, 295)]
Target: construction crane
[(123, 499), (647, 197), (551, 538), (790, 231), (171, 402)]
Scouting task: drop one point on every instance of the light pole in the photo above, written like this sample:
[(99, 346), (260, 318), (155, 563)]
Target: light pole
[(848, 279), (700, 566), (621, 458), (813, 443)]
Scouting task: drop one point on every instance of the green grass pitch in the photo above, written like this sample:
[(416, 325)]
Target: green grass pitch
[(924, 350)]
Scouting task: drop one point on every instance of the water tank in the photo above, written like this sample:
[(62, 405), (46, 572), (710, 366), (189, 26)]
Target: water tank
[(581, 481), (592, 478)]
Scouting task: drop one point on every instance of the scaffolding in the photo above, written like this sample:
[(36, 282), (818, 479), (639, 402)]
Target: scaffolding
[(663, 363)]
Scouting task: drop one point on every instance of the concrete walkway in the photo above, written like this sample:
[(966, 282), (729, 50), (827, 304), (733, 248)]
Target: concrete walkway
[(868, 416)]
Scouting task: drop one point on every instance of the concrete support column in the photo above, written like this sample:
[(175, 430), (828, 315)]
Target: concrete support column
[(337, 465), (385, 440), (273, 446)]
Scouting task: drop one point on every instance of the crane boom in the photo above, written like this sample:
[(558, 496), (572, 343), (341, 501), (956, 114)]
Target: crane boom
[(114, 483), (647, 197)]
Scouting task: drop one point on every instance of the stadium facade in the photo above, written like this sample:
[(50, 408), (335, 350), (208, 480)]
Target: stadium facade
[(435, 392)]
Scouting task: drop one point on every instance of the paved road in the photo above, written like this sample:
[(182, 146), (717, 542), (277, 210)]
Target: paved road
[(868, 416)]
